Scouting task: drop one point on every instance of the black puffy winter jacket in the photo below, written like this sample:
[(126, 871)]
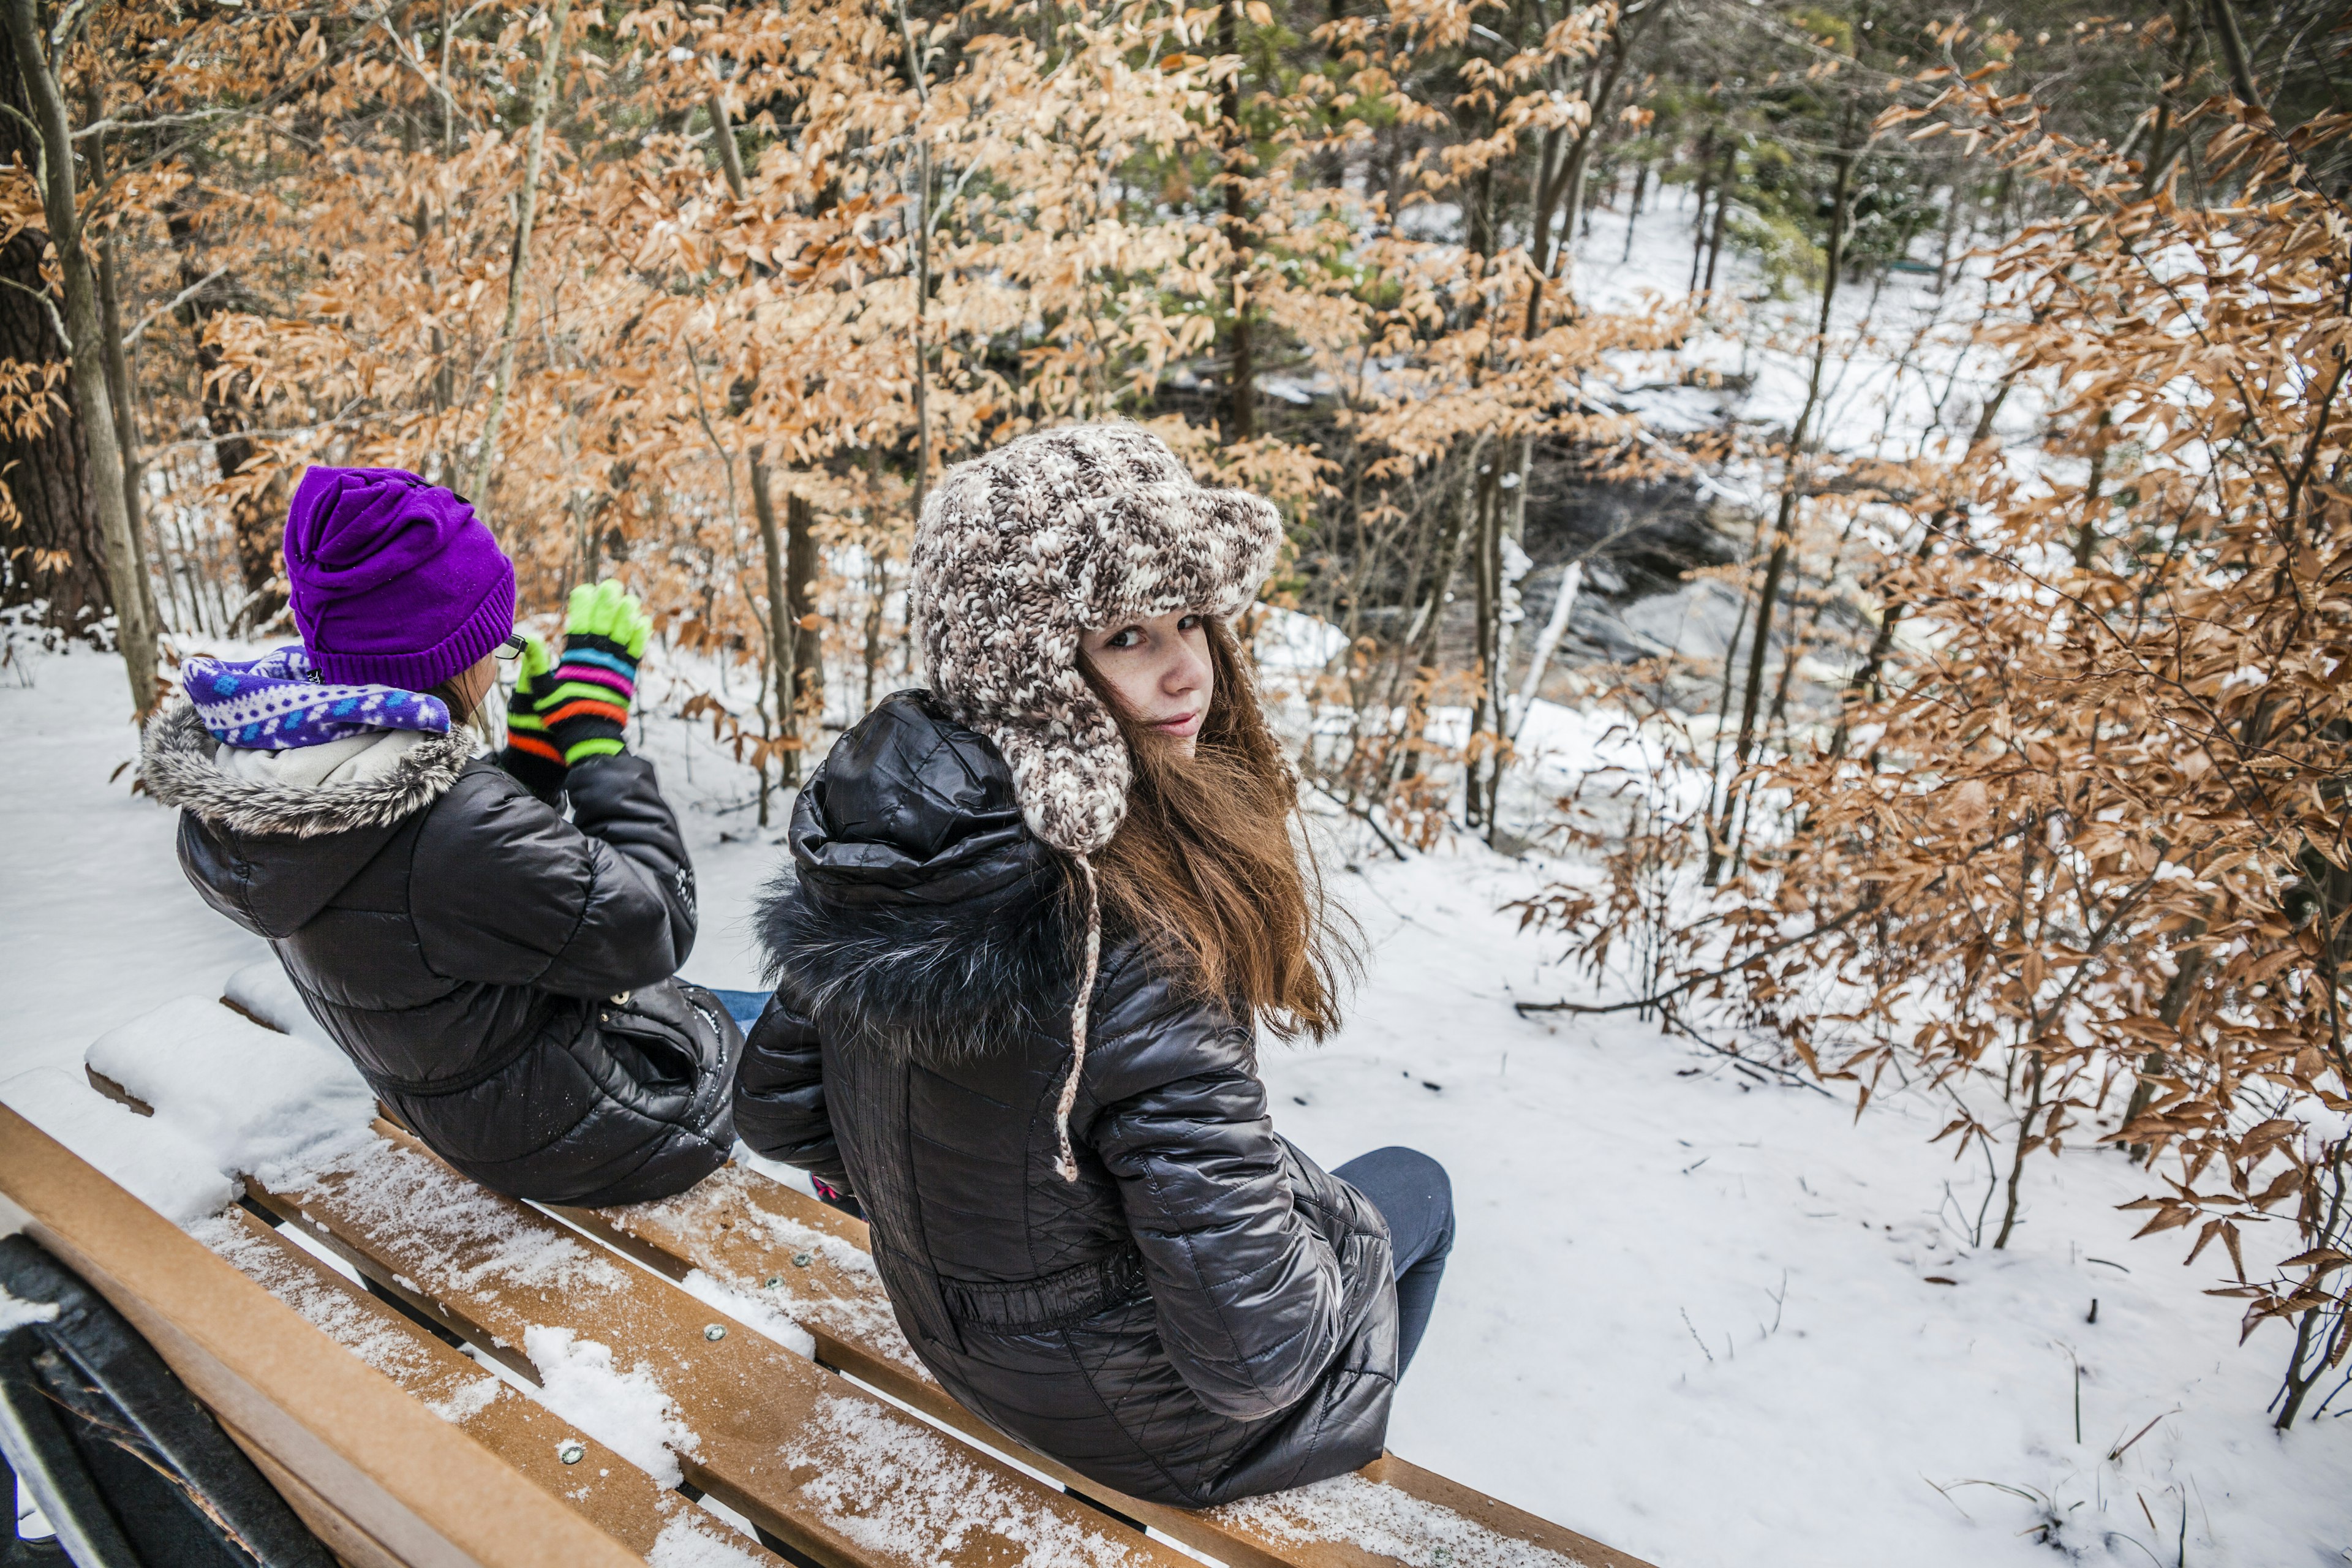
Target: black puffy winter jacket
[(1204, 1314), (468, 948)]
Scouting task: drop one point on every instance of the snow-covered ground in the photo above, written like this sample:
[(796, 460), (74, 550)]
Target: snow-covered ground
[(1701, 1317)]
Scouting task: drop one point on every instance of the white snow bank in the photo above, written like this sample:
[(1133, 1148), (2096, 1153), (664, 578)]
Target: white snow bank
[(161, 1166), (252, 1098), (901, 1491), (628, 1412), (1294, 644), (262, 989)]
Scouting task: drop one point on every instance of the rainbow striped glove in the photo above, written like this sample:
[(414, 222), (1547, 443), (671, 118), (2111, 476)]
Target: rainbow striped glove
[(586, 711), (531, 757)]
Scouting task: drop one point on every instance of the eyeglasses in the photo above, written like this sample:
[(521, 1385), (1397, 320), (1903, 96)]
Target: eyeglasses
[(509, 650)]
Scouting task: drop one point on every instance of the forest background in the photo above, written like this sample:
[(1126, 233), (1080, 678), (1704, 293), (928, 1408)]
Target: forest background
[(2018, 772)]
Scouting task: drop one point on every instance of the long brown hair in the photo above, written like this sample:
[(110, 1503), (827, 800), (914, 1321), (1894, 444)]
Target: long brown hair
[(1206, 869)]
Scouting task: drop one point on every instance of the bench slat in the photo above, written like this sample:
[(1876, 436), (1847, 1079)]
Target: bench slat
[(835, 1472), (383, 1482), (762, 1238), (599, 1485)]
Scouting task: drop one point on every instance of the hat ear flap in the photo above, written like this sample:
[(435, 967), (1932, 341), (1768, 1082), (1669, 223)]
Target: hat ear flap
[(1072, 785)]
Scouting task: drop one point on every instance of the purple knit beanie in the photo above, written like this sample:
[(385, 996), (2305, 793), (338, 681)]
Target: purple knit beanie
[(394, 582)]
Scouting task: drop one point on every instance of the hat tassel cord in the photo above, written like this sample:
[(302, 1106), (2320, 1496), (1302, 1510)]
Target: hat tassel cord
[(1079, 1011)]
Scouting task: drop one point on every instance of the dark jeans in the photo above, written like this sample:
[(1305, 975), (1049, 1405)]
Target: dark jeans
[(1413, 1193), (743, 1007)]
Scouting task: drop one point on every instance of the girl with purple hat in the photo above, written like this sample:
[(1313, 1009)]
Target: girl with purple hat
[(503, 976)]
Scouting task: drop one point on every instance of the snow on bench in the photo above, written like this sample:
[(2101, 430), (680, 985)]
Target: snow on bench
[(745, 1233), (826, 1468), (615, 1496)]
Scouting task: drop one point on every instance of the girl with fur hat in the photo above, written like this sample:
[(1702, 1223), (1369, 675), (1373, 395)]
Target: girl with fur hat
[(500, 975), (1037, 915)]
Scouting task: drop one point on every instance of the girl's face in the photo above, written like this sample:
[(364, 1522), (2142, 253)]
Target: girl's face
[(1159, 669)]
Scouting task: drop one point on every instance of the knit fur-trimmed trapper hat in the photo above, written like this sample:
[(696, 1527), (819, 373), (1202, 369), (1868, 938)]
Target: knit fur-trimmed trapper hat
[(1020, 551)]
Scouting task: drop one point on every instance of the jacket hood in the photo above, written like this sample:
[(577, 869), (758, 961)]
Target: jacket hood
[(176, 759), (271, 855), (921, 914)]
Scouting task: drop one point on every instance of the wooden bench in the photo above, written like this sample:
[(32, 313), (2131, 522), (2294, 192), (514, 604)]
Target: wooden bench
[(792, 1398), (611, 1494), (770, 1241), (379, 1476)]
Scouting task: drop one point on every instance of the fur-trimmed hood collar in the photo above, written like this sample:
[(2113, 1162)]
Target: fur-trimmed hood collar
[(176, 759), (921, 916)]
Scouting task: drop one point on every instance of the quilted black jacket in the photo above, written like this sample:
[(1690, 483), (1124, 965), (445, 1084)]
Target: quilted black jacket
[(464, 944), (1204, 1314)]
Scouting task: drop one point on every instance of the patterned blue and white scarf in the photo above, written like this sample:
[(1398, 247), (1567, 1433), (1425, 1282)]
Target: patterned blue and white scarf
[(277, 703)]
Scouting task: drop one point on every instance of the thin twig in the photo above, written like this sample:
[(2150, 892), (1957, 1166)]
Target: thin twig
[(174, 303), (1794, 1079), (1358, 811), (57, 322), (194, 117), (1656, 998)]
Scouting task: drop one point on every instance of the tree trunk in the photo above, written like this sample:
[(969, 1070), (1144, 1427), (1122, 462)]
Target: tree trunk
[(1865, 679), (1951, 232), (1566, 188), (922, 329), (117, 372), (1698, 221), (1241, 369), (1784, 526), (134, 633), (1422, 635), (126, 429), (257, 521), (731, 156), (1641, 184), (1483, 779), (1722, 214), (807, 665), (53, 549), (2025, 1141), (2233, 51), (780, 640), (1563, 605), (542, 92)]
